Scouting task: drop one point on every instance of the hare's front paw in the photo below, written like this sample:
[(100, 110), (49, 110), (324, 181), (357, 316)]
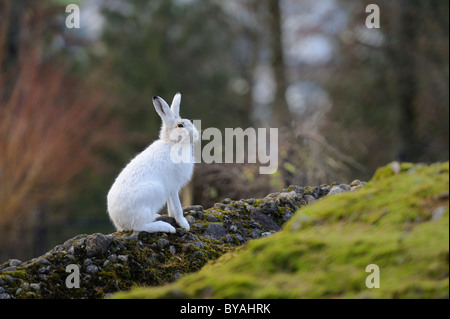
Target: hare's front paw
[(183, 223)]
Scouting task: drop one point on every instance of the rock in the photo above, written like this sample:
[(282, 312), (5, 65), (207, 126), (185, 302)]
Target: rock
[(287, 215), (438, 213), (266, 234), (42, 270), (133, 236), (250, 201), (197, 254), (193, 246), (335, 190), (256, 233), (162, 242), (309, 199), (357, 184), (25, 285), (97, 244), (79, 240), (220, 206), (269, 207), (211, 218), (197, 208), (189, 237), (396, 167), (112, 258), (196, 214), (43, 261), (14, 262), (121, 260), (342, 188), (324, 190), (92, 269), (190, 219), (292, 195), (215, 231), (197, 227), (316, 193), (35, 286), (265, 221)]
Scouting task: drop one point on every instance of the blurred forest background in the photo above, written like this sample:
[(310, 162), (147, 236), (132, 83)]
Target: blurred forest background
[(75, 104)]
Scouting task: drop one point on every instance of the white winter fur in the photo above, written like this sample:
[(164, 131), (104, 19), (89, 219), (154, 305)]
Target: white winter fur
[(152, 179)]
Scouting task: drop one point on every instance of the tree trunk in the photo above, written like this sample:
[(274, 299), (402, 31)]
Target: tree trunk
[(281, 114), (406, 80)]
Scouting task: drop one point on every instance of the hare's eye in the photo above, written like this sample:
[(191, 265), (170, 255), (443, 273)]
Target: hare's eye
[(180, 125)]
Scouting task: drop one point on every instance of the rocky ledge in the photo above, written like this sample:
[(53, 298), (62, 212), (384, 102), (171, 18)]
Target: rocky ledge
[(102, 264)]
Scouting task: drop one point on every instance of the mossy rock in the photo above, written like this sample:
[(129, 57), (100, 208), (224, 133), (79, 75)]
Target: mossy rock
[(399, 221), (123, 260)]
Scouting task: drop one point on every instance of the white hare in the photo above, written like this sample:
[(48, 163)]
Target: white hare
[(153, 178)]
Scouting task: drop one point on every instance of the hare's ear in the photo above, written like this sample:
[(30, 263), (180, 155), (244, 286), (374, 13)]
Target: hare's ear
[(175, 107), (163, 109)]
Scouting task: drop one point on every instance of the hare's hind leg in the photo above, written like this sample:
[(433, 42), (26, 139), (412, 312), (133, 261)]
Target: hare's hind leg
[(176, 211), (151, 202), (155, 227)]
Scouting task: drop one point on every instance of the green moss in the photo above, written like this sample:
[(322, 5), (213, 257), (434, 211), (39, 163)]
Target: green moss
[(323, 251), (393, 169), (17, 274)]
